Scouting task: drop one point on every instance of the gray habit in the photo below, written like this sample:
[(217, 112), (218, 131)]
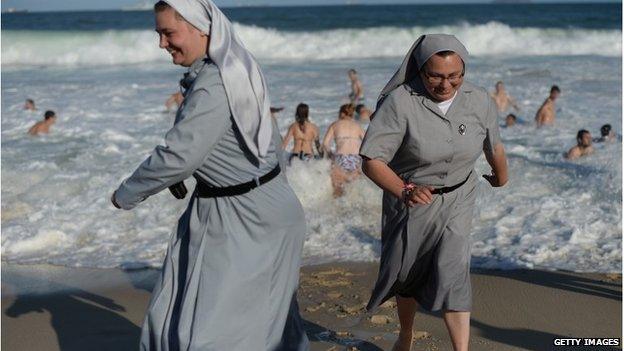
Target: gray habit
[(231, 270), (426, 248)]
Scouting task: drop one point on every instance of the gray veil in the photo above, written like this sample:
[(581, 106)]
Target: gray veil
[(423, 48), (244, 83)]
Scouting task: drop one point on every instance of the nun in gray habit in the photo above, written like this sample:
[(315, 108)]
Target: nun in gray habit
[(231, 270), (429, 128)]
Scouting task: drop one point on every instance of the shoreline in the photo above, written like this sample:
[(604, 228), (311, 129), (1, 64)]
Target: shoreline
[(76, 308)]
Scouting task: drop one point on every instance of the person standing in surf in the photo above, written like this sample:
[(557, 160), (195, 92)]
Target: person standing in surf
[(421, 146), (231, 270)]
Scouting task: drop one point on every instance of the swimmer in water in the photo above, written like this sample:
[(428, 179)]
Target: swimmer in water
[(606, 134), (502, 98), (357, 92), (43, 127), (583, 145), (510, 120), (305, 134), (363, 112), (347, 135), (29, 105), (546, 113), (175, 99)]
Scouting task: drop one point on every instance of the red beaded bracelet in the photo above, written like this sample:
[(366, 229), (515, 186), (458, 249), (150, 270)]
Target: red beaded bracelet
[(408, 189)]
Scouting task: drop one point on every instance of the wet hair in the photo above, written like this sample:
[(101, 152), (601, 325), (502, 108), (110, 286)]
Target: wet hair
[(49, 114), (31, 101), (347, 109), (359, 108), (579, 135), (162, 6), (499, 82), (512, 116), (555, 88), (352, 71), (605, 130), (301, 115)]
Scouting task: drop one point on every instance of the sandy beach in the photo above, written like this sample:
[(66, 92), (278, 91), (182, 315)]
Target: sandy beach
[(52, 308)]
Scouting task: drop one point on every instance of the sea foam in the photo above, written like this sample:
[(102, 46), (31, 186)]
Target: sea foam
[(115, 47)]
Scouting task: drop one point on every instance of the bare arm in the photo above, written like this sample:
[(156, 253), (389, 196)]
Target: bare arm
[(289, 135), (513, 103), (573, 153), (498, 161), (328, 139), (170, 101), (317, 142), (33, 129), (382, 175), (385, 178)]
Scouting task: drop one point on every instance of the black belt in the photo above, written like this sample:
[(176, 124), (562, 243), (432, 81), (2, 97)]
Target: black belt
[(448, 189), (204, 190)]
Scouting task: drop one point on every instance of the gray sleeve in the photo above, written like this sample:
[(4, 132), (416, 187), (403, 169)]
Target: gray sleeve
[(491, 127), (204, 119), (385, 132)]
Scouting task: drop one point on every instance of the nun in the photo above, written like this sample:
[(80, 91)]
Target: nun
[(428, 130), (231, 270)]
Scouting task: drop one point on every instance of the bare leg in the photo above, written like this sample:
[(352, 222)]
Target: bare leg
[(338, 178), (458, 325), (406, 307)]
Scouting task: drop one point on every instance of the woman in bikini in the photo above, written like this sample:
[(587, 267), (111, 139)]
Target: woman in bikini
[(305, 135), (347, 135)]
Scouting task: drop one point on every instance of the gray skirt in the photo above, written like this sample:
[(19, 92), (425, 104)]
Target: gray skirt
[(426, 251)]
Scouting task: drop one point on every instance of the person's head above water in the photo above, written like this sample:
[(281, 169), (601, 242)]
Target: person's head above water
[(605, 130), (583, 138), (29, 104), (510, 120), (352, 74), (438, 61), (49, 114), (184, 42), (554, 92), (499, 86), (346, 111)]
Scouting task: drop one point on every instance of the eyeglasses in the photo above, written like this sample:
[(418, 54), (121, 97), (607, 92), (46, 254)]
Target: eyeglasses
[(436, 80)]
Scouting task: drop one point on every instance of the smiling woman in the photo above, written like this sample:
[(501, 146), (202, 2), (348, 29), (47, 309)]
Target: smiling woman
[(244, 227), (181, 39), (421, 147)]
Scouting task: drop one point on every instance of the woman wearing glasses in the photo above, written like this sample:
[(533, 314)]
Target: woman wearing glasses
[(429, 129)]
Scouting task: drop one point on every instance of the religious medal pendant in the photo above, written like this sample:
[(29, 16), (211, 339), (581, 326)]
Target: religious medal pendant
[(462, 129)]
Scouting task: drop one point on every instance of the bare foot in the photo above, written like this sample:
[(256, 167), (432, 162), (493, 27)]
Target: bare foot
[(403, 343)]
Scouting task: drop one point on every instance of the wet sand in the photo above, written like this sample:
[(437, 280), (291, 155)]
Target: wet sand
[(52, 308)]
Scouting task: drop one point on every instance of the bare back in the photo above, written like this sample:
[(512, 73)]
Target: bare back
[(303, 137), (39, 128), (546, 113), (347, 134), (502, 100)]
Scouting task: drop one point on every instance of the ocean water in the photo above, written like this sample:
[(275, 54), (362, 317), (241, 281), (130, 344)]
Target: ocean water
[(103, 74)]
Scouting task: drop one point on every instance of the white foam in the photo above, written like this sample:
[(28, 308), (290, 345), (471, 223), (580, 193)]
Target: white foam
[(553, 214), (136, 46), (45, 240)]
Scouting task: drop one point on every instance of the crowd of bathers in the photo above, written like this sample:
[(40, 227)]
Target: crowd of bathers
[(545, 116), (341, 143)]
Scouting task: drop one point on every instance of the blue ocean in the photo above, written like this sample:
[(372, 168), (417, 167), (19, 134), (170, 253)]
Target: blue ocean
[(104, 75)]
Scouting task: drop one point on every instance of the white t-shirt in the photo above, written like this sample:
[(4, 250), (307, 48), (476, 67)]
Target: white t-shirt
[(444, 105)]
